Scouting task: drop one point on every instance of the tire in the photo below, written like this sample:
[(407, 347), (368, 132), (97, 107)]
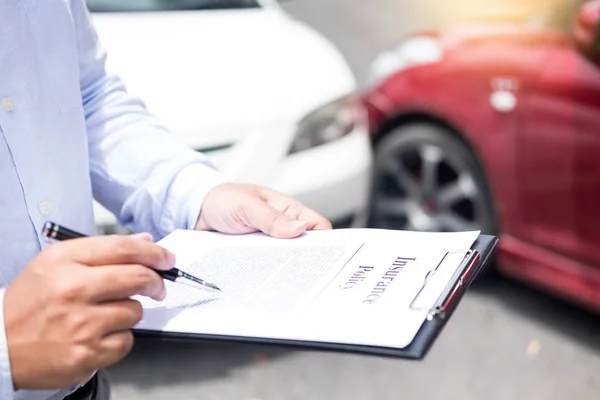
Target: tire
[(446, 188)]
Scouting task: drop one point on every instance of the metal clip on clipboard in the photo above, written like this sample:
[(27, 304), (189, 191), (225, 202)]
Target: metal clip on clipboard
[(457, 284)]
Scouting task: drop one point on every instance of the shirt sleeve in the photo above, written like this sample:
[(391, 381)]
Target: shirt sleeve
[(140, 171), (6, 384)]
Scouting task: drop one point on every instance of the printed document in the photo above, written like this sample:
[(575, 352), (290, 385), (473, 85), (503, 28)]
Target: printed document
[(354, 286)]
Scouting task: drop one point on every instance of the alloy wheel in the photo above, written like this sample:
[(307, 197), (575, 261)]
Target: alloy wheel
[(426, 187)]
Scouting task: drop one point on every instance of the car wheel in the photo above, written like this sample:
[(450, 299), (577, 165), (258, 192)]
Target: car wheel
[(427, 179)]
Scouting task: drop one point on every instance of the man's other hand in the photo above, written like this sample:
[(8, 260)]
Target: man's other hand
[(69, 312), (239, 208)]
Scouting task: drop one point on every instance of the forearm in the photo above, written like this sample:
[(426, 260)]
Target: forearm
[(140, 172), (151, 181)]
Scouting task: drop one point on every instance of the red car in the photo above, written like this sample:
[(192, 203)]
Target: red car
[(497, 127)]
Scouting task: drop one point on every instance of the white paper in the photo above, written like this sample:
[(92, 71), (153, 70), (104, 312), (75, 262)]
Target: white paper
[(346, 286)]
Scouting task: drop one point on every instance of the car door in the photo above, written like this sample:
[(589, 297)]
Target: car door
[(559, 157)]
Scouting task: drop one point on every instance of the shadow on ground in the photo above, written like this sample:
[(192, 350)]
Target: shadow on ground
[(187, 362)]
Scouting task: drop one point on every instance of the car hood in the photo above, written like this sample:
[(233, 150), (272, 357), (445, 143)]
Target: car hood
[(212, 75), (473, 35)]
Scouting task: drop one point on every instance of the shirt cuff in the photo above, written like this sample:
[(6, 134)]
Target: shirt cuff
[(7, 391), (187, 193)]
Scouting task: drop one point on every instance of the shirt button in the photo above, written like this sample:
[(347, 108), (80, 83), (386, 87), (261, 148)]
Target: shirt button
[(8, 104), (44, 208)]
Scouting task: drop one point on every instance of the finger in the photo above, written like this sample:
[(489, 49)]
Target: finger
[(110, 324), (115, 249), (260, 215), (117, 316), (295, 209), (143, 236), (118, 282), (113, 348), (314, 220)]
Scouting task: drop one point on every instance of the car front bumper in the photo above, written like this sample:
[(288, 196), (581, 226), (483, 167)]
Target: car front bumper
[(334, 179)]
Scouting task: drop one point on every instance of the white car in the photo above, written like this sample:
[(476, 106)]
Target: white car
[(267, 98)]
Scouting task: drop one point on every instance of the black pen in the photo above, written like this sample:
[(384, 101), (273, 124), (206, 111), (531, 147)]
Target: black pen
[(60, 233)]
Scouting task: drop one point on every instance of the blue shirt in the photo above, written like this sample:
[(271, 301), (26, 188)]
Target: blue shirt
[(69, 133)]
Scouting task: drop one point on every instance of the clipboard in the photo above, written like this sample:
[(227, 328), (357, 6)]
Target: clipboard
[(476, 260)]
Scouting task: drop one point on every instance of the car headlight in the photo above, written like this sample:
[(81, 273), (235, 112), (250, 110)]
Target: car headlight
[(415, 51), (326, 124)]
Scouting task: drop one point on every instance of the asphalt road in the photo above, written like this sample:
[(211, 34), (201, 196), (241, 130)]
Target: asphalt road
[(505, 341)]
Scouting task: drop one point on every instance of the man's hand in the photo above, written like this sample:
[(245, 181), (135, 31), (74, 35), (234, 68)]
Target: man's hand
[(69, 313), (238, 209)]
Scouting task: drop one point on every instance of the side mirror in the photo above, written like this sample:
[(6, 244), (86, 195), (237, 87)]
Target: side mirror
[(586, 30)]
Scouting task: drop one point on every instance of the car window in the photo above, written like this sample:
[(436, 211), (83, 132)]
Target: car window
[(166, 5)]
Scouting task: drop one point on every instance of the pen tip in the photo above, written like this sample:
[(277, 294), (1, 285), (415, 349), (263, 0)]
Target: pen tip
[(213, 286)]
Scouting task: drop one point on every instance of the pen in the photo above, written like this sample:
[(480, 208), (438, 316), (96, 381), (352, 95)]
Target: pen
[(60, 233)]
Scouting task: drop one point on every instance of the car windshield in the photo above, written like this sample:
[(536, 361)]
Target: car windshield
[(166, 5)]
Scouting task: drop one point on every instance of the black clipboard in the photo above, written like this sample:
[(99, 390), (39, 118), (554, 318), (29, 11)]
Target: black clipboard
[(476, 259)]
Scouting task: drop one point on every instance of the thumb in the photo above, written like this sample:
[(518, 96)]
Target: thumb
[(267, 219)]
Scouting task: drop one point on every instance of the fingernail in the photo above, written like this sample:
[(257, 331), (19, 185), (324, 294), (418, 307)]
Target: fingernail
[(171, 259), (294, 225), (163, 294), (143, 236)]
